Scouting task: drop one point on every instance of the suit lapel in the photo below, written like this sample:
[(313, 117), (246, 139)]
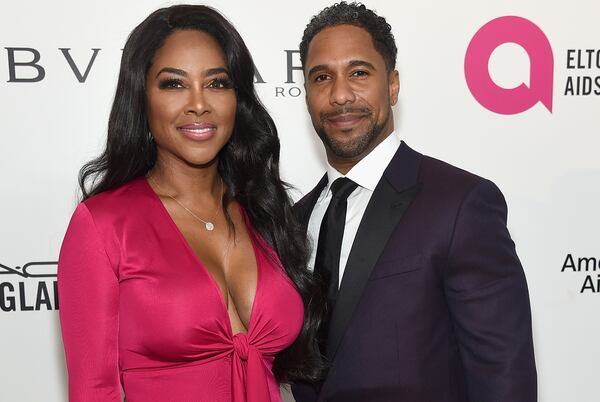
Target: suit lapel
[(391, 198), (304, 207)]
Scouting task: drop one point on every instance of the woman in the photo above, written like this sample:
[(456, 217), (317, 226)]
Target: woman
[(182, 274)]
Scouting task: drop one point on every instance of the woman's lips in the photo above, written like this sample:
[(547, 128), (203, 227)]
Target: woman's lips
[(197, 132)]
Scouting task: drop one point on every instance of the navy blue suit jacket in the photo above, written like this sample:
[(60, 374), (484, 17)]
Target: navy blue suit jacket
[(433, 305)]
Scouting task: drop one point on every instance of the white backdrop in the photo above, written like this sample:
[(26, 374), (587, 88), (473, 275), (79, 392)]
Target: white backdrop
[(545, 162)]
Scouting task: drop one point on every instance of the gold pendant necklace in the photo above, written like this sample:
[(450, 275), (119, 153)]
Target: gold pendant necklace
[(208, 225)]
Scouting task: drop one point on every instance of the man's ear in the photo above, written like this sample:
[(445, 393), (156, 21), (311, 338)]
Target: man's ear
[(394, 86), (305, 94), (306, 97)]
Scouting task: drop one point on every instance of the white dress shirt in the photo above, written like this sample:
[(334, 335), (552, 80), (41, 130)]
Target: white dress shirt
[(366, 173)]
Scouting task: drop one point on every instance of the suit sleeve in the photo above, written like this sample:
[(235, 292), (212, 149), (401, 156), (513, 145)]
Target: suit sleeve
[(489, 302), (89, 298)]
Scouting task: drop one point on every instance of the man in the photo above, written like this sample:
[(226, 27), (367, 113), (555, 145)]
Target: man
[(426, 296)]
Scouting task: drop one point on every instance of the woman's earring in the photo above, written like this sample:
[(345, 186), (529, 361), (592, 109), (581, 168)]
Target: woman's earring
[(150, 138)]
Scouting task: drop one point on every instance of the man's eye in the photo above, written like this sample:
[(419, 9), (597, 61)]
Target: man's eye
[(170, 83), (360, 73), (221, 83), (321, 77)]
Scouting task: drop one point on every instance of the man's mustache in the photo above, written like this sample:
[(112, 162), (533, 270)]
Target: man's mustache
[(344, 110)]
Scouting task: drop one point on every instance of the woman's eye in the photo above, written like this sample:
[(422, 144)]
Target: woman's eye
[(221, 83), (170, 83)]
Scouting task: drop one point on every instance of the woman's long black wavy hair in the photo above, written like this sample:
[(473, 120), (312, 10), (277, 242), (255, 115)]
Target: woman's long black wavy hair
[(248, 163)]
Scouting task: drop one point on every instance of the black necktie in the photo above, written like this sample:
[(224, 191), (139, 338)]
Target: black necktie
[(327, 260)]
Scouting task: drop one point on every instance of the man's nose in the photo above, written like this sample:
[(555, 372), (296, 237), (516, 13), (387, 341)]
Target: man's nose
[(341, 92)]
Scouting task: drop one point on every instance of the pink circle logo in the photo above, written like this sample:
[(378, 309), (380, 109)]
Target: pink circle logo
[(510, 29)]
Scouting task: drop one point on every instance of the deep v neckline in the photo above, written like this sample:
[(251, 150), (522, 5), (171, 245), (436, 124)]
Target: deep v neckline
[(197, 261)]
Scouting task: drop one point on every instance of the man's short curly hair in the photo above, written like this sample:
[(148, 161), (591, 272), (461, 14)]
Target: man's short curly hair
[(359, 15)]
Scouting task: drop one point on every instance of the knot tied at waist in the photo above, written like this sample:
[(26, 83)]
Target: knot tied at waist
[(249, 372), (240, 346)]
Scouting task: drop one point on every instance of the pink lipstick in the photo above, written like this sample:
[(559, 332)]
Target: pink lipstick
[(198, 131)]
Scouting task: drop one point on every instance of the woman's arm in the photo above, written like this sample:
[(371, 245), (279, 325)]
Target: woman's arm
[(89, 300)]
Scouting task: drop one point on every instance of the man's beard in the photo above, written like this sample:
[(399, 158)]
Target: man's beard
[(350, 149)]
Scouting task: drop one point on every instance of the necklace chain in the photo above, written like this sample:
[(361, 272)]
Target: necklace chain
[(210, 226)]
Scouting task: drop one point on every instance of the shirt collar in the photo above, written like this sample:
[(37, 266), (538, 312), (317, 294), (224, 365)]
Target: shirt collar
[(368, 171)]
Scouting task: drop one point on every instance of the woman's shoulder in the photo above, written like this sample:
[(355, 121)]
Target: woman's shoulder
[(102, 219), (119, 197), (128, 199)]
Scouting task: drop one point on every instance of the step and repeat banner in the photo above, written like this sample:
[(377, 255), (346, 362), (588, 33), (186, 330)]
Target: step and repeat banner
[(509, 90)]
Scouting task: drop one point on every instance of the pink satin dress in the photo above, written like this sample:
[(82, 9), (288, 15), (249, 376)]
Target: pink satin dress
[(140, 313)]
